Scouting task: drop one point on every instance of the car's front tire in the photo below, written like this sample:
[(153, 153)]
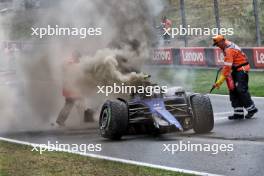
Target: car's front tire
[(113, 120), (203, 116)]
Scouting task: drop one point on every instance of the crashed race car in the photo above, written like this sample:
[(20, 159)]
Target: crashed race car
[(175, 110)]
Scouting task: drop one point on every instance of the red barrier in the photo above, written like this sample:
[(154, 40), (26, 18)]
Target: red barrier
[(192, 56), (163, 56), (219, 57), (206, 57), (258, 57)]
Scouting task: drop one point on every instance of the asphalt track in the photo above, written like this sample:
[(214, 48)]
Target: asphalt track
[(247, 137)]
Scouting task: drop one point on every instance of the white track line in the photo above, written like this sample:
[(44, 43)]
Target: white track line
[(222, 113), (221, 116), (220, 119), (114, 159)]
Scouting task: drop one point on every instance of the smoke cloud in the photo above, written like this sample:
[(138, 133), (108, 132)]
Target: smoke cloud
[(116, 56)]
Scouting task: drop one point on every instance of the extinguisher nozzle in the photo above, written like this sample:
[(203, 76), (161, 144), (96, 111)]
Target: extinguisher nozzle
[(212, 89)]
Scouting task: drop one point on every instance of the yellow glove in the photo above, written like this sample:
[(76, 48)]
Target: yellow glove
[(220, 81)]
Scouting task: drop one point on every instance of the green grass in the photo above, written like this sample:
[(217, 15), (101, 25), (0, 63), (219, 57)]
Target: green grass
[(236, 14), (20, 160), (201, 80)]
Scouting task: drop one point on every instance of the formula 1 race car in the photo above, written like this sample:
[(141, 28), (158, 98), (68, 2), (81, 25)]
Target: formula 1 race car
[(176, 110)]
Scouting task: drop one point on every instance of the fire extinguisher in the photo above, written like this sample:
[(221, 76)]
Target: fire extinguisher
[(230, 83)]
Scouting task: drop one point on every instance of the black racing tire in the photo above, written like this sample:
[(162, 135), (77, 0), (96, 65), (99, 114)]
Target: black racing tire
[(203, 115), (114, 119)]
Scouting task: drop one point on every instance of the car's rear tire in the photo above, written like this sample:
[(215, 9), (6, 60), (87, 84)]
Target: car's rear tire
[(113, 120), (203, 116)]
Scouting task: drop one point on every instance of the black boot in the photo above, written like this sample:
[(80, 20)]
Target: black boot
[(236, 117), (251, 113), (238, 114)]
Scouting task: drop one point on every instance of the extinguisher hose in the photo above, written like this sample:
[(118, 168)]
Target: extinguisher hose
[(216, 78), (217, 74)]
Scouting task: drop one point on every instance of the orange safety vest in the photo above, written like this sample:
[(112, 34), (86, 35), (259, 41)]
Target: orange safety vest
[(168, 24), (234, 59)]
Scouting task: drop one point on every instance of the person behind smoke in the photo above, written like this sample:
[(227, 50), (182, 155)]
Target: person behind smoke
[(71, 68), (165, 25)]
